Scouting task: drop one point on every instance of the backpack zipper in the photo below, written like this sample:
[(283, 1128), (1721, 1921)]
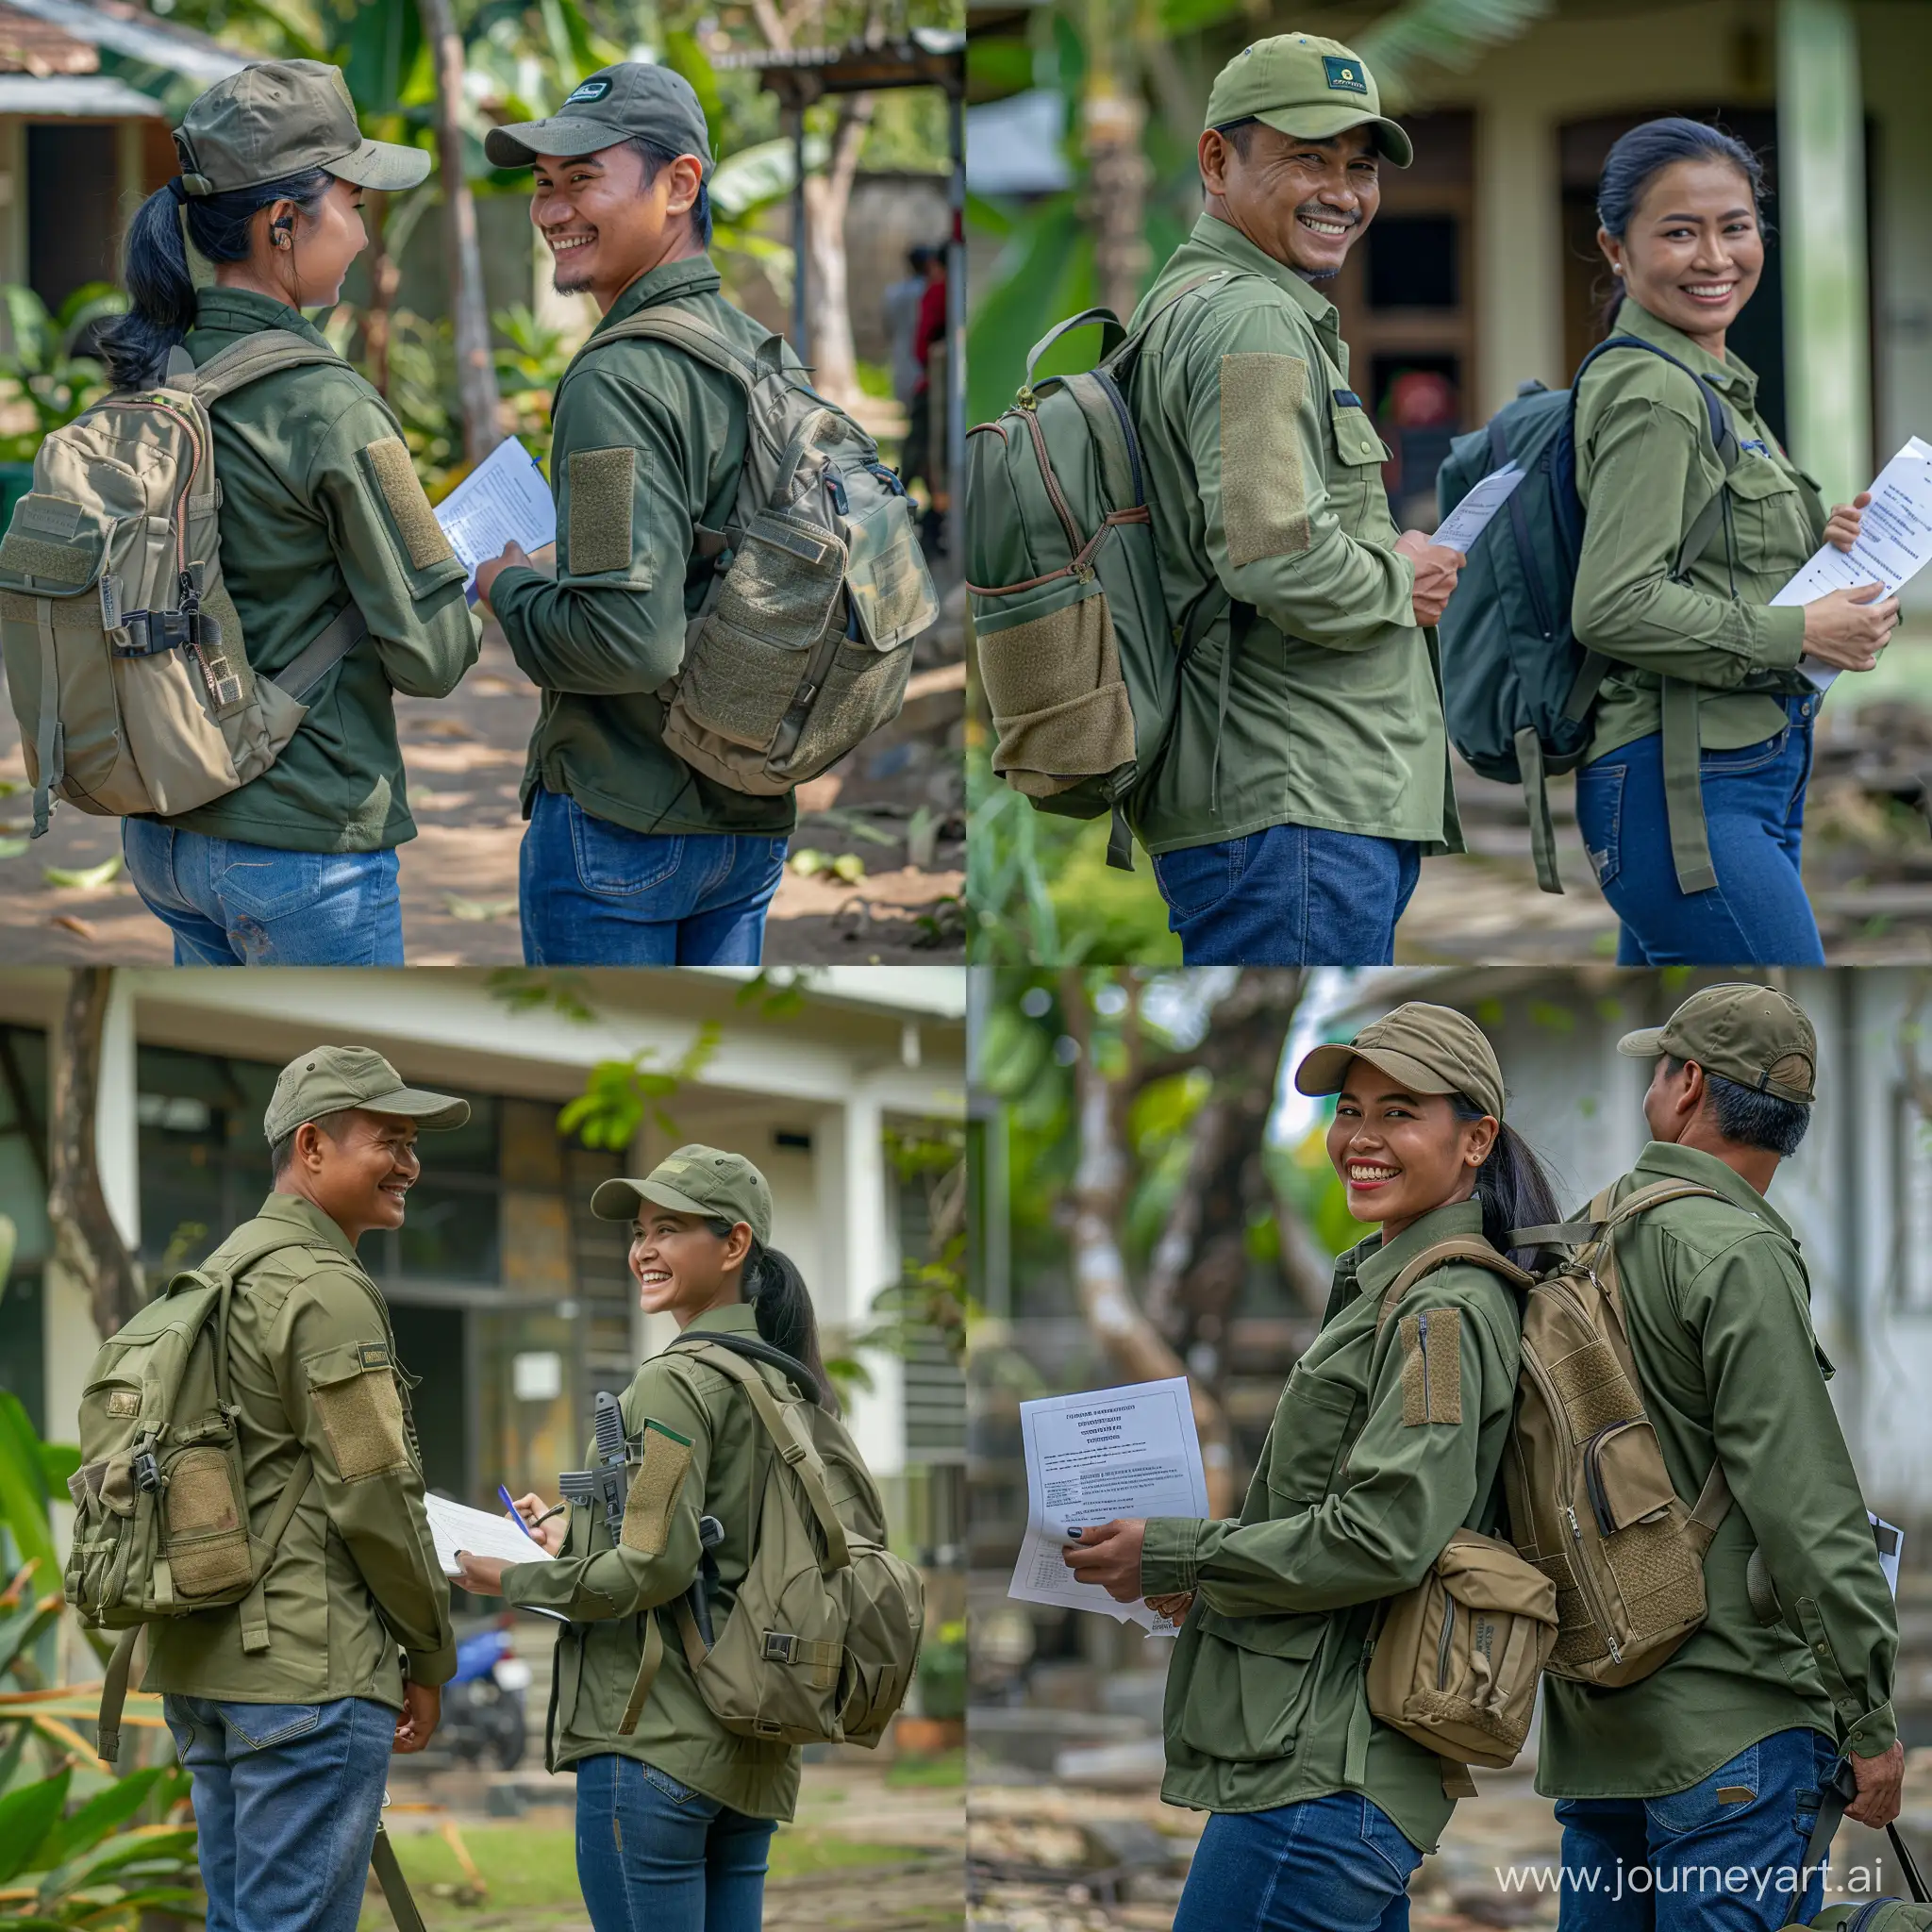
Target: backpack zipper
[(1055, 495)]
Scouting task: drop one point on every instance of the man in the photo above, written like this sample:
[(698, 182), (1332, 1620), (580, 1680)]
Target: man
[(899, 307), (1307, 770), (632, 857), (1712, 1765), (288, 1741)]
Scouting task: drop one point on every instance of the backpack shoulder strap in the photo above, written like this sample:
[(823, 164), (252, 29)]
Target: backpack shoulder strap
[(696, 337), (265, 353), (1601, 1216), (1463, 1247)]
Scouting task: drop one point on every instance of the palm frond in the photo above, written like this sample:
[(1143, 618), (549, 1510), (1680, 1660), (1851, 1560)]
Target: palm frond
[(1449, 34)]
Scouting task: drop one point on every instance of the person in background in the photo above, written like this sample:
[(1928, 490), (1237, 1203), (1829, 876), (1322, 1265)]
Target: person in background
[(900, 311), (924, 455)]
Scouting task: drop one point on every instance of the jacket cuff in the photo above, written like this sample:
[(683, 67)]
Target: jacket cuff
[(431, 1666), (1782, 642), (1874, 1734), (1170, 1554)]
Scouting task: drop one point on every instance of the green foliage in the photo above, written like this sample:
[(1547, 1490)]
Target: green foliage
[(528, 368), (30, 1473), (528, 988), (98, 1864), (43, 371), (620, 1095), (942, 1671)]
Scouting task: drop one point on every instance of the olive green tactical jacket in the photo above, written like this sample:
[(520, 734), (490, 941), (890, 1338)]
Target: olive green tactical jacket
[(1646, 467), (1715, 1297), (310, 521), (649, 442), (1360, 1484), (1264, 479), (606, 1591), (313, 1367)]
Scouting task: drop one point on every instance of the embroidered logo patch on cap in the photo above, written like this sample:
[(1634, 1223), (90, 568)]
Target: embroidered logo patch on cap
[(1345, 74), (591, 91)]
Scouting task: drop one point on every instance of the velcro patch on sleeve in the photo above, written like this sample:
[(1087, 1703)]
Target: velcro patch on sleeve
[(395, 476), (1264, 491), (602, 492), (363, 1417), (1432, 1367), (654, 1490)]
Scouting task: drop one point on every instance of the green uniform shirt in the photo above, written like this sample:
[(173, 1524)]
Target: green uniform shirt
[(606, 1591), (1646, 467), (648, 446), (313, 1367), (307, 526), (1264, 478), (1716, 1301), (1351, 1504)]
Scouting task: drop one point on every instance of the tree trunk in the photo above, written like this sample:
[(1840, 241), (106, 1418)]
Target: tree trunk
[(469, 307), (384, 278), (834, 361), (86, 1241), (1117, 176)]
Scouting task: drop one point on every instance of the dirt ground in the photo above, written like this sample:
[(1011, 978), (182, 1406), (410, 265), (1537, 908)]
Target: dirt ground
[(896, 803)]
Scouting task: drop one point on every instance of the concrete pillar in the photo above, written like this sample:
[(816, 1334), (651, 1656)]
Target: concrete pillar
[(1519, 252), (862, 1256), (117, 1121), (1821, 129)]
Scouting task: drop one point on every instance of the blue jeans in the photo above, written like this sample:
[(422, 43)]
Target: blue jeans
[(1754, 805), (596, 893), (1288, 896), (286, 1799), (1333, 1864), (232, 904), (654, 1855), (1720, 1857)]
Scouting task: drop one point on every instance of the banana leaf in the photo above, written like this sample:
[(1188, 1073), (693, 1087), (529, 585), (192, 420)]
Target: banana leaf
[(26, 1817)]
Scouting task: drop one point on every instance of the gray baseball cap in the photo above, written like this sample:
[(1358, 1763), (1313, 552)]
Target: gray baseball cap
[(616, 104), (696, 1180), (327, 1079)]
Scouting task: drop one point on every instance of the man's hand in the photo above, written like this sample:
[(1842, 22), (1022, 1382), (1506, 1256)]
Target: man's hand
[(1881, 1786), (1111, 1556), (482, 1574), (422, 1710), (486, 572), (1841, 527), (1436, 571)]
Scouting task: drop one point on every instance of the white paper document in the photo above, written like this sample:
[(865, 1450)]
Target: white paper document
[(1466, 521), (504, 498), (455, 1527), (1094, 1457), (1891, 1539), (1894, 543)]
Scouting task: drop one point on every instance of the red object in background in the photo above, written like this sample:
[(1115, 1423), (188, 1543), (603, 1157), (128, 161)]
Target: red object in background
[(930, 327), (1420, 399)]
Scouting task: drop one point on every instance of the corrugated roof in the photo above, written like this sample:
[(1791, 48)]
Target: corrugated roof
[(87, 96), (135, 34), (32, 45)]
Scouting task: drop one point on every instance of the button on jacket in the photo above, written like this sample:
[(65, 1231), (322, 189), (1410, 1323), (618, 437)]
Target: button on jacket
[(313, 1367), (607, 1591), (1264, 479), (1354, 1499), (649, 442), (1716, 1300), (1646, 467), (306, 526)]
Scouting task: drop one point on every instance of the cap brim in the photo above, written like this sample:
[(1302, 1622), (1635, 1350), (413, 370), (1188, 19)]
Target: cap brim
[(381, 164), (520, 144), (431, 1111), (1325, 1070), (619, 1200), (1646, 1044), (1325, 123)]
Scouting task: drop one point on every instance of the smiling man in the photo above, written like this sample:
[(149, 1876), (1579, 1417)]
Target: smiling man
[(632, 857), (285, 1707), (1308, 768)]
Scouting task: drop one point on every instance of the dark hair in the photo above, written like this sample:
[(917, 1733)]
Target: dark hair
[(655, 159), (1239, 135), (919, 256), (1511, 1186), (781, 1305), (161, 289), (283, 1151), (1750, 1117), (1638, 158)]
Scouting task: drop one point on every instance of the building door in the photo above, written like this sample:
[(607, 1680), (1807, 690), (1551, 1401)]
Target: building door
[(72, 183), (430, 1343)]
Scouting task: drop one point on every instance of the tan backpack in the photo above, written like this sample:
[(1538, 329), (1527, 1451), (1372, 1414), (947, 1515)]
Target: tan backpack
[(1454, 1663), (823, 1640), (804, 642), (124, 658)]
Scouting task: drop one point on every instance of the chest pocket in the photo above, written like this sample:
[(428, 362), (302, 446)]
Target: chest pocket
[(1768, 515), (1354, 487), (1313, 1429)]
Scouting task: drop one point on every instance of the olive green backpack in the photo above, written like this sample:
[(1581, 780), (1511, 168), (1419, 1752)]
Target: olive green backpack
[(803, 645), (1873, 1914), (821, 1642), (124, 658)]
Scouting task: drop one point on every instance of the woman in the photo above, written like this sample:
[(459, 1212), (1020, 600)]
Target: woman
[(321, 512), (1703, 692), (675, 1814), (1321, 1812)]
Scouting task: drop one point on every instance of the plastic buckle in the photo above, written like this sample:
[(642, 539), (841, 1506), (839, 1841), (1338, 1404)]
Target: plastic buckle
[(781, 1646), (147, 1471)]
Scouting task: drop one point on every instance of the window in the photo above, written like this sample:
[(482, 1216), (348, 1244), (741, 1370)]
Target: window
[(1911, 1260), (1412, 262)]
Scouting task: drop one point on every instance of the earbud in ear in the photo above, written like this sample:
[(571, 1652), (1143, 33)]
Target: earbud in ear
[(280, 232)]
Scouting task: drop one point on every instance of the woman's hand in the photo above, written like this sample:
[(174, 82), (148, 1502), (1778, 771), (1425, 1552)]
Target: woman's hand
[(1848, 628), (1172, 1608), (549, 1534), (489, 571), (1841, 527), (481, 1574), (1111, 1556)]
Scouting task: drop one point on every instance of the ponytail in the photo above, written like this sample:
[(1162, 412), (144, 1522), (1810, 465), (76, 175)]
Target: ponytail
[(782, 1305), (160, 287), (1511, 1186)]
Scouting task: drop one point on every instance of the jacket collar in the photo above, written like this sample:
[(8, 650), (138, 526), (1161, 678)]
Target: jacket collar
[(1732, 379), (1378, 1262), (242, 312), (1215, 244), (305, 1215), (734, 1318), (670, 282), (1664, 1161)]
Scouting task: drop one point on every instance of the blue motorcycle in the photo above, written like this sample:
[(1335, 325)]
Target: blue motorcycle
[(483, 1705)]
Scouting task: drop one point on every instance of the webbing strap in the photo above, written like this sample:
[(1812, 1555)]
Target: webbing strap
[(1600, 1217), (1842, 1789), (1362, 1723), (265, 353), (1536, 795), (47, 742), (1683, 789), (1240, 619), (1120, 842), (1713, 1505), (114, 1695), (323, 651), (651, 1663), (1589, 674), (254, 1638), (1461, 1247), (395, 1888)]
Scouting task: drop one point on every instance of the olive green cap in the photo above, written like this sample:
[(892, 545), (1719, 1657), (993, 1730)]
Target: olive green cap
[(1754, 1034), (1303, 84), (634, 98), (696, 1180), (327, 1079), (282, 117), (1429, 1049)]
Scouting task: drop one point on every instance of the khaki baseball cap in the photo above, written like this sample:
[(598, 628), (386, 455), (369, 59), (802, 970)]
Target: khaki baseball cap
[(1429, 1049), (615, 103), (278, 118), (696, 1180), (1754, 1034), (1304, 85), (327, 1079)]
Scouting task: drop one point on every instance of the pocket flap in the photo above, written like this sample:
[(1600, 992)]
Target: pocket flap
[(53, 548), (1759, 476), (1293, 1635), (1356, 441), (1487, 1575), (1631, 1474), (891, 591)]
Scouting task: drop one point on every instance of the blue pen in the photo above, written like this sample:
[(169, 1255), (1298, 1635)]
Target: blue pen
[(516, 1515)]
